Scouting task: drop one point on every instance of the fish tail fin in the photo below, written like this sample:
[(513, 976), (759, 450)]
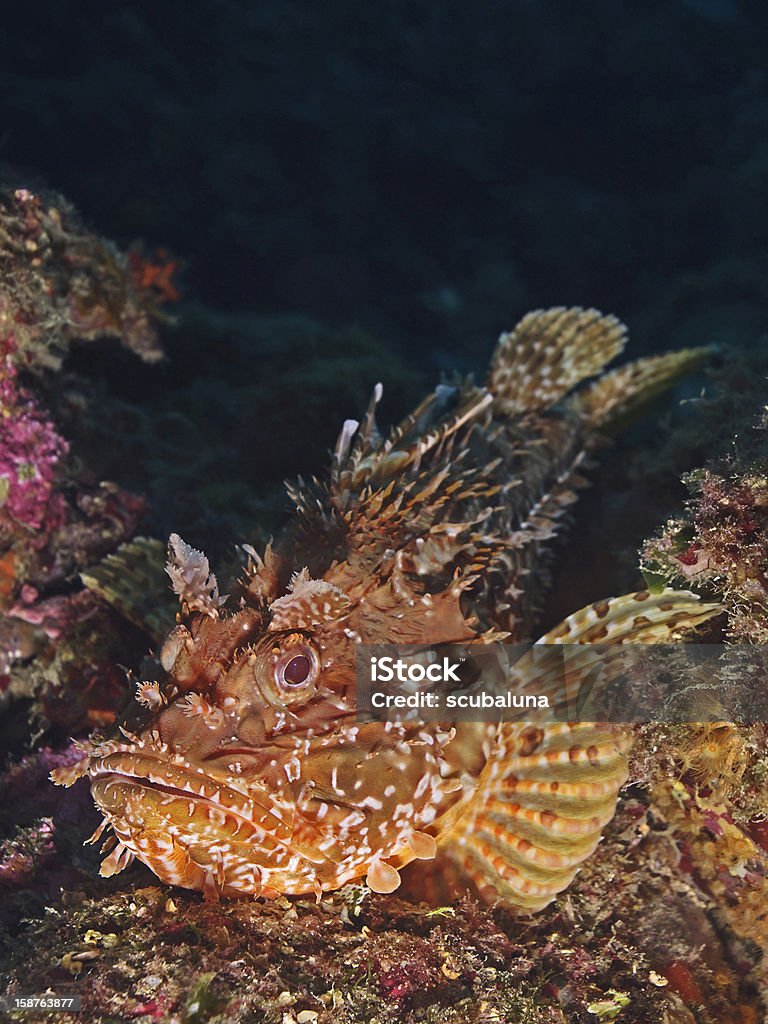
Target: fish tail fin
[(548, 353), (548, 789), (609, 401)]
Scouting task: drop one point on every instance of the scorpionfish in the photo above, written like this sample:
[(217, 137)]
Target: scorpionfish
[(250, 772)]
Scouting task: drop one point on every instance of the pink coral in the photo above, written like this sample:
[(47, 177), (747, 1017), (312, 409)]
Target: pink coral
[(21, 856), (30, 451)]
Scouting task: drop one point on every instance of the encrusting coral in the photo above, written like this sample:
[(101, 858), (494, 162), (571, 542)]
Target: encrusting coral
[(708, 779), (719, 544), (30, 453), (59, 283)]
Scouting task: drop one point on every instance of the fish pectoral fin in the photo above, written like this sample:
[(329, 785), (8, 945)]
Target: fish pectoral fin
[(537, 814), (548, 353), (547, 791)]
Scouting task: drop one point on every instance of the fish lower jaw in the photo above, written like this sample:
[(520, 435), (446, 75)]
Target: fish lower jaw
[(190, 831), (189, 837), (205, 849)]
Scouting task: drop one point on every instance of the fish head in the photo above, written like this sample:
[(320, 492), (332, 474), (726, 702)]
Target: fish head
[(253, 774)]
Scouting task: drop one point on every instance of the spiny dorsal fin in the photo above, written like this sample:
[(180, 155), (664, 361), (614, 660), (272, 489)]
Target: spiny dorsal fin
[(549, 353), (608, 401), (399, 455)]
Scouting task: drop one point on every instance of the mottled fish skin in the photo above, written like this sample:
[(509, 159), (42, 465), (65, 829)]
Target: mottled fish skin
[(251, 774)]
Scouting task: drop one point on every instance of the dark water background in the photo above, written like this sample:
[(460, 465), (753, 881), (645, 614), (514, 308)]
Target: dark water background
[(424, 172)]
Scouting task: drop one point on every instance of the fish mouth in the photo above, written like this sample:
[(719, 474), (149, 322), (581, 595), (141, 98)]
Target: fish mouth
[(198, 832), (238, 751), (252, 757), (143, 791)]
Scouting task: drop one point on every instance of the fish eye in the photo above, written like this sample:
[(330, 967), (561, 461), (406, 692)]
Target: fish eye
[(287, 672), (297, 667), (296, 672)]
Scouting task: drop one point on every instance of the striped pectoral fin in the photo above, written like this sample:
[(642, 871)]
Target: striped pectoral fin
[(547, 790), (538, 811)]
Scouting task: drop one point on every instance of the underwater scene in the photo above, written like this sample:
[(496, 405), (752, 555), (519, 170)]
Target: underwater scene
[(384, 512)]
